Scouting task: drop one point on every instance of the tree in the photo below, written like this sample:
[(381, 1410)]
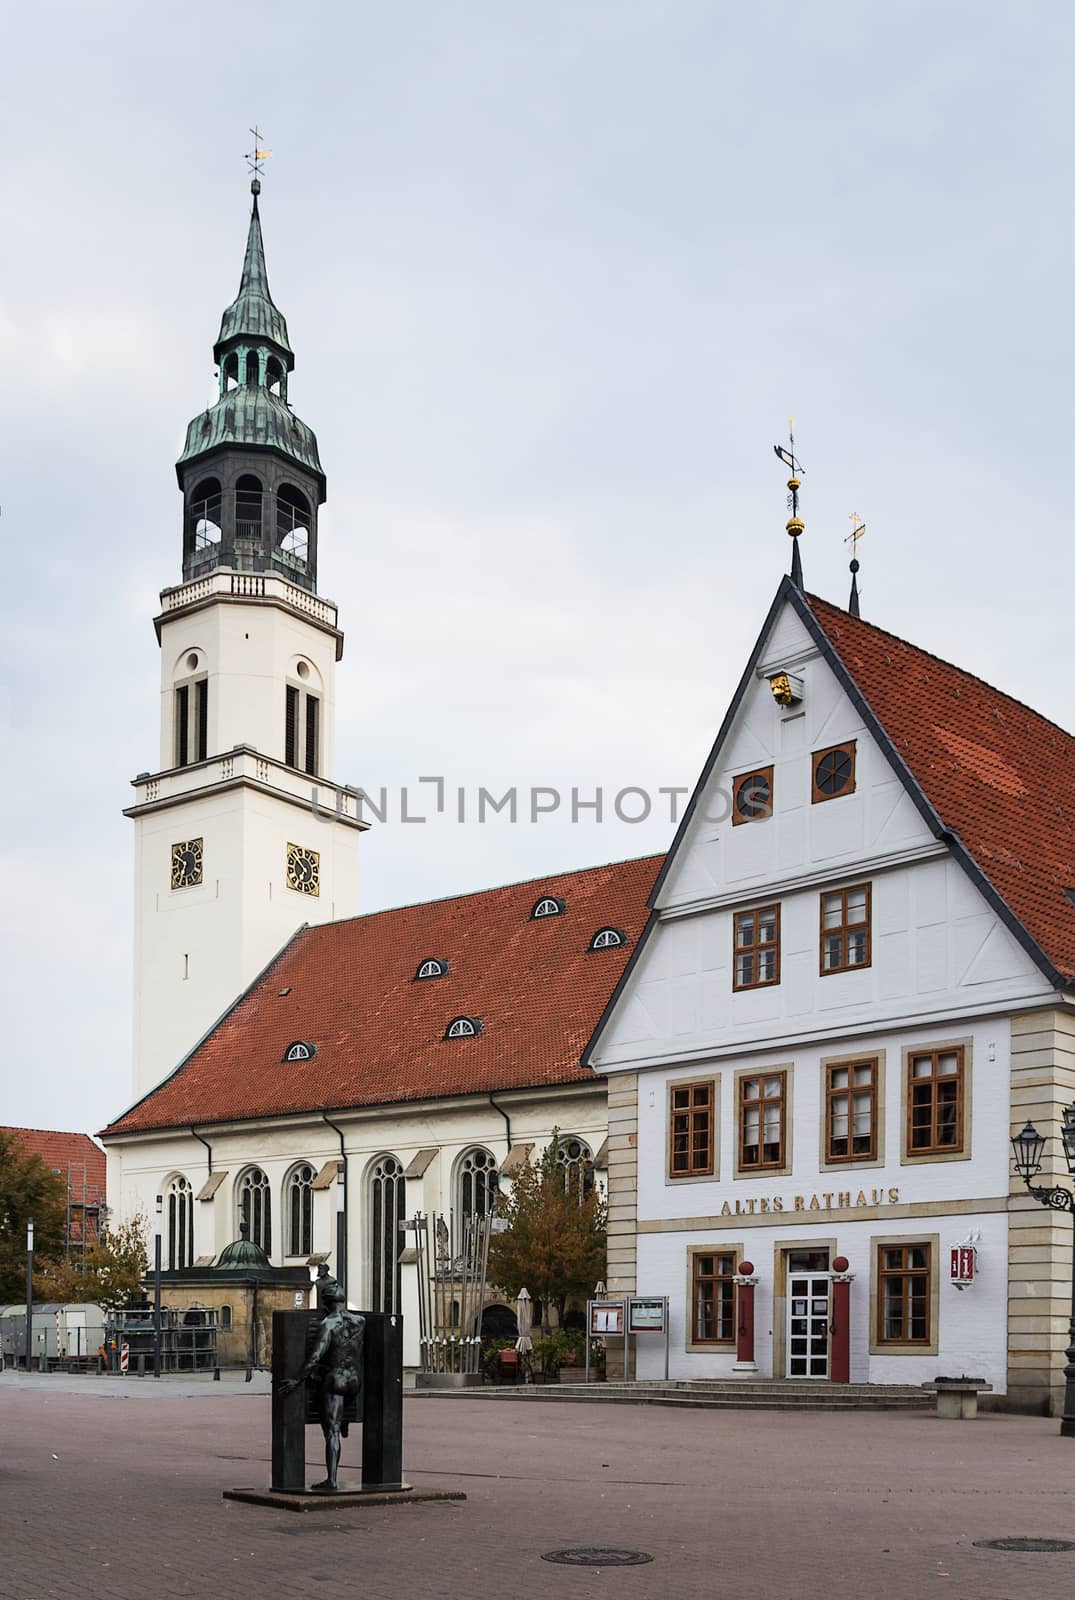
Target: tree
[(110, 1272), (555, 1239), (28, 1189)]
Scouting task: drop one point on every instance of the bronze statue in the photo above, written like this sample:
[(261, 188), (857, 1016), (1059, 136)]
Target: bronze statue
[(337, 1352)]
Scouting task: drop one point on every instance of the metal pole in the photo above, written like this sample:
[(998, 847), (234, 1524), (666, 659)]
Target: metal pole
[(341, 1226), (29, 1292), (1067, 1421), (157, 1291)]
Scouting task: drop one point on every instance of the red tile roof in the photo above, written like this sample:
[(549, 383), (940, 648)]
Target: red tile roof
[(380, 1035), (62, 1151), (999, 776)]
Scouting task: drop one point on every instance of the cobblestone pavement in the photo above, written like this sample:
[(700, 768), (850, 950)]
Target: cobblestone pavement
[(104, 1496)]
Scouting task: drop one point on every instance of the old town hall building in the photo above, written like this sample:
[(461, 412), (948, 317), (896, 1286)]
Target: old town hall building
[(794, 1050)]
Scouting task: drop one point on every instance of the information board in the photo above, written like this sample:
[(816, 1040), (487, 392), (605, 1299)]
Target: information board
[(647, 1315), (606, 1317)]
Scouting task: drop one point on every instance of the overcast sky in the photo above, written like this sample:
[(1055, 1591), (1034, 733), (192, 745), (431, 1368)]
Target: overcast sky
[(555, 277)]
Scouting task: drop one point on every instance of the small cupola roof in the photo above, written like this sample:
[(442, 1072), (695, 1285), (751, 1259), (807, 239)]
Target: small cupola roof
[(242, 1255), (253, 315)]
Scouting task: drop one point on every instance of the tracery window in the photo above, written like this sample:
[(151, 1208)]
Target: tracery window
[(478, 1183), (180, 1223), (388, 1207), (299, 1199), (575, 1159), (255, 1208)]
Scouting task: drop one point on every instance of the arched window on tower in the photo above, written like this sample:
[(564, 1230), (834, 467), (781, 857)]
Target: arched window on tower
[(205, 513), (252, 364), (248, 507), (477, 1183), (293, 525), (255, 1208), (180, 1223), (230, 373), (275, 378), (575, 1160), (388, 1207), (299, 1198)]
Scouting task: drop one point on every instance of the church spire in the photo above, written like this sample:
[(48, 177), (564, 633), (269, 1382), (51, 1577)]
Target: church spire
[(253, 314), (250, 471)]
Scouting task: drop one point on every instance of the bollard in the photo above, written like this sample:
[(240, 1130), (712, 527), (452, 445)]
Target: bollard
[(142, 1364)]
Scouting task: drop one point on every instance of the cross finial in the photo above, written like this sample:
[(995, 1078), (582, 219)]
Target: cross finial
[(256, 159)]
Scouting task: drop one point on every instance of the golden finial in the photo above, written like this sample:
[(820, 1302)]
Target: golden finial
[(858, 528), (256, 159), (795, 524)]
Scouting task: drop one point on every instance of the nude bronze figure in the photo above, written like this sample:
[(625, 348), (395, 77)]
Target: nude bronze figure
[(337, 1355)]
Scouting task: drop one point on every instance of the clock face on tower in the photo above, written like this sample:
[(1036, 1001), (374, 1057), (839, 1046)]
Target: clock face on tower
[(187, 863), (303, 869)]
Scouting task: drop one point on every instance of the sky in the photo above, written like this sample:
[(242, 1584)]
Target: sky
[(556, 277)]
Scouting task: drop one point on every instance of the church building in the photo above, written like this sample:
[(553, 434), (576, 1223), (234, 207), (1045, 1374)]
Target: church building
[(305, 1075), (856, 981)]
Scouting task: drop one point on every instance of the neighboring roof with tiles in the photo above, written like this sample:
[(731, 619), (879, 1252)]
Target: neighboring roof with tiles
[(349, 988), (999, 776), (63, 1151)]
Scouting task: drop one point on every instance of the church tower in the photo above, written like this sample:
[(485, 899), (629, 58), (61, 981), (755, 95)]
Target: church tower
[(240, 835)]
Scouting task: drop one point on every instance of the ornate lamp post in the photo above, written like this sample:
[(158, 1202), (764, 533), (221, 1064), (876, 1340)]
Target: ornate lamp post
[(1028, 1146)]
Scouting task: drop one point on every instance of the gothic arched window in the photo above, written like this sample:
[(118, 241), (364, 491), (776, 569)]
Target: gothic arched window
[(299, 1201), (180, 1251), (255, 1208), (388, 1207), (575, 1159), (477, 1183)]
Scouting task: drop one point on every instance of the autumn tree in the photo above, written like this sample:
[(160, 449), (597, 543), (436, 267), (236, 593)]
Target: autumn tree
[(554, 1243), (110, 1271), (28, 1189)]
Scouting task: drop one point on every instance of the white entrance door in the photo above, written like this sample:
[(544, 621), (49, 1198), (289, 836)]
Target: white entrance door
[(808, 1324)]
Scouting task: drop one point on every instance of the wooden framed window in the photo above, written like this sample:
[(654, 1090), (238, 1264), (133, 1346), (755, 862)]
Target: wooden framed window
[(833, 772), (845, 929), (752, 795), (851, 1110), (762, 1120), (904, 1297), (935, 1101), (756, 953), (713, 1297), (690, 1129)]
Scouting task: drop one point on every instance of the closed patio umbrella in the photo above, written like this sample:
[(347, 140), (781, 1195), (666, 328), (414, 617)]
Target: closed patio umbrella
[(524, 1316)]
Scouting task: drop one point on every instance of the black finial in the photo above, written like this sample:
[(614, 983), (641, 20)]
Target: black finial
[(795, 524), (858, 528)]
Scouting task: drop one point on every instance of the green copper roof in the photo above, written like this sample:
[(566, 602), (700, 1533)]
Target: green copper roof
[(252, 314), (251, 415), (241, 1255)]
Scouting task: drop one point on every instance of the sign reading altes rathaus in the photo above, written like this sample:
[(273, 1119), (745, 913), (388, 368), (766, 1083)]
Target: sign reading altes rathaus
[(827, 1200)]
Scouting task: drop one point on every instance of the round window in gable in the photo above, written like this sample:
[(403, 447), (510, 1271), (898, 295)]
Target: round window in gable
[(433, 967), (608, 939), (464, 1028), (548, 906), (301, 1050)]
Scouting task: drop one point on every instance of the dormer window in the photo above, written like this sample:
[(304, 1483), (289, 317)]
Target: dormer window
[(548, 906), (301, 1050), (464, 1028), (608, 939), (432, 968)]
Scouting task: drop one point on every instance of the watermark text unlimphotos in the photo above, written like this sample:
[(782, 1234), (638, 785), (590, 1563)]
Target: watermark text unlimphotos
[(427, 798)]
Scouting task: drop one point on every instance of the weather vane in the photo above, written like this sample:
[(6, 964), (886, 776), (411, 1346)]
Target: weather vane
[(256, 159), (795, 523), (858, 528)]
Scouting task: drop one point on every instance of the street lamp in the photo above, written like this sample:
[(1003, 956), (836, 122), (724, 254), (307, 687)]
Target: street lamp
[(157, 1291), (29, 1291), (1028, 1146)]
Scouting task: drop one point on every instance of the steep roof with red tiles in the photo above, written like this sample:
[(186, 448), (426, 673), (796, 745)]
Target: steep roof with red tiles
[(1000, 777), (64, 1152), (350, 989)]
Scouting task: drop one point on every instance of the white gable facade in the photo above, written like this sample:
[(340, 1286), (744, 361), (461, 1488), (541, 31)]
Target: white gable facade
[(810, 1064)]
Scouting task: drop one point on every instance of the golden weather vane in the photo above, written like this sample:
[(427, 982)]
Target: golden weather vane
[(858, 528), (256, 158)]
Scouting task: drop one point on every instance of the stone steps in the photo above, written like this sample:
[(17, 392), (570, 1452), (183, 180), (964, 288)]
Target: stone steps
[(749, 1395)]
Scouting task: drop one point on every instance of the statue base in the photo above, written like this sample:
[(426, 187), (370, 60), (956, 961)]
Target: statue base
[(348, 1497)]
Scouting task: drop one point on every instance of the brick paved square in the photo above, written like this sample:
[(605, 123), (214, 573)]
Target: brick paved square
[(115, 1492)]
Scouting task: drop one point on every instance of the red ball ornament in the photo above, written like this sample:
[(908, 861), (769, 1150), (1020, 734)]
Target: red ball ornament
[(840, 1264), (746, 1268)]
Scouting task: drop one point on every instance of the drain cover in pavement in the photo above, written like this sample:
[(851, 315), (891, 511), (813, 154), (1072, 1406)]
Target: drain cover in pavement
[(1046, 1545), (598, 1556)]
